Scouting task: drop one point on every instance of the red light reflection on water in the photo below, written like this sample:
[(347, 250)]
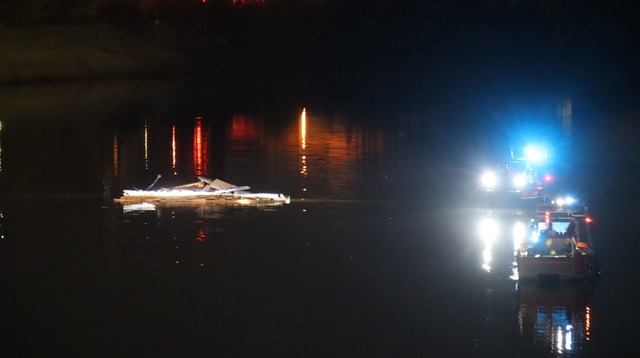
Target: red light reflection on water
[(202, 235), (243, 128), (243, 137), (200, 149), (191, 250)]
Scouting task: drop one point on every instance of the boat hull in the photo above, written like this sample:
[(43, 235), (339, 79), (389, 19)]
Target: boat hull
[(577, 267)]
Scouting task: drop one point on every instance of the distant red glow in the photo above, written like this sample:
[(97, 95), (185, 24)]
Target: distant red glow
[(243, 134), (247, 2), (548, 178), (243, 128), (588, 220)]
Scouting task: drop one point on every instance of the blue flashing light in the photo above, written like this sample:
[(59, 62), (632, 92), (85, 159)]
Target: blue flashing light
[(566, 201), (535, 154), (534, 237)]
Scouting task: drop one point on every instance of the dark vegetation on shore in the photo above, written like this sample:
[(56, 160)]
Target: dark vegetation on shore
[(329, 47)]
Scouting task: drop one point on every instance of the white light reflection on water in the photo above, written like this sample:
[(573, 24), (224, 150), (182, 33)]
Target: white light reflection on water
[(519, 239), (501, 236), (486, 259), (173, 149), (1, 225), (146, 144), (488, 231), (515, 275), (558, 337), (563, 339), (519, 234), (568, 345)]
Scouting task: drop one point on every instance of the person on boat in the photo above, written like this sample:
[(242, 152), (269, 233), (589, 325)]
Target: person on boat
[(572, 229), (541, 246), (567, 245), (551, 232)]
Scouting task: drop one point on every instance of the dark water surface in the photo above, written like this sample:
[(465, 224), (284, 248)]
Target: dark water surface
[(377, 254)]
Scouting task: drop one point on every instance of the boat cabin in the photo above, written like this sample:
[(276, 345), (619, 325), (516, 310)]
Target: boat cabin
[(558, 244)]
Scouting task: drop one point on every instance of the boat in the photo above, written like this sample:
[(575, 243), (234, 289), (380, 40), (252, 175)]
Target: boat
[(558, 244), (204, 191), (521, 174)]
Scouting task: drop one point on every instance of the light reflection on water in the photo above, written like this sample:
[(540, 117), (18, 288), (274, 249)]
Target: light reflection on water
[(328, 155), (2, 233), (500, 234), (557, 316), (373, 252)]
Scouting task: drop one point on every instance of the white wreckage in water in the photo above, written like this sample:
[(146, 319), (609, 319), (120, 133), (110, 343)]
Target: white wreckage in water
[(204, 191)]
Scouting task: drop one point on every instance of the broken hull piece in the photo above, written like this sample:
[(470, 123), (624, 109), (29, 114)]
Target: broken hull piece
[(189, 196), (206, 191)]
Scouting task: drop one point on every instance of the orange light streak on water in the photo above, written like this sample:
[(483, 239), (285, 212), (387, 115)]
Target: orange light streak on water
[(303, 141), (116, 150)]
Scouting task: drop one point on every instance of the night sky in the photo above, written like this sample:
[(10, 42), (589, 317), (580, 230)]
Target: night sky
[(382, 47), (394, 47)]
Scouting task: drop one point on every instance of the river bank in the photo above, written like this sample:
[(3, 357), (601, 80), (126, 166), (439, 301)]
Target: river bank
[(88, 51)]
